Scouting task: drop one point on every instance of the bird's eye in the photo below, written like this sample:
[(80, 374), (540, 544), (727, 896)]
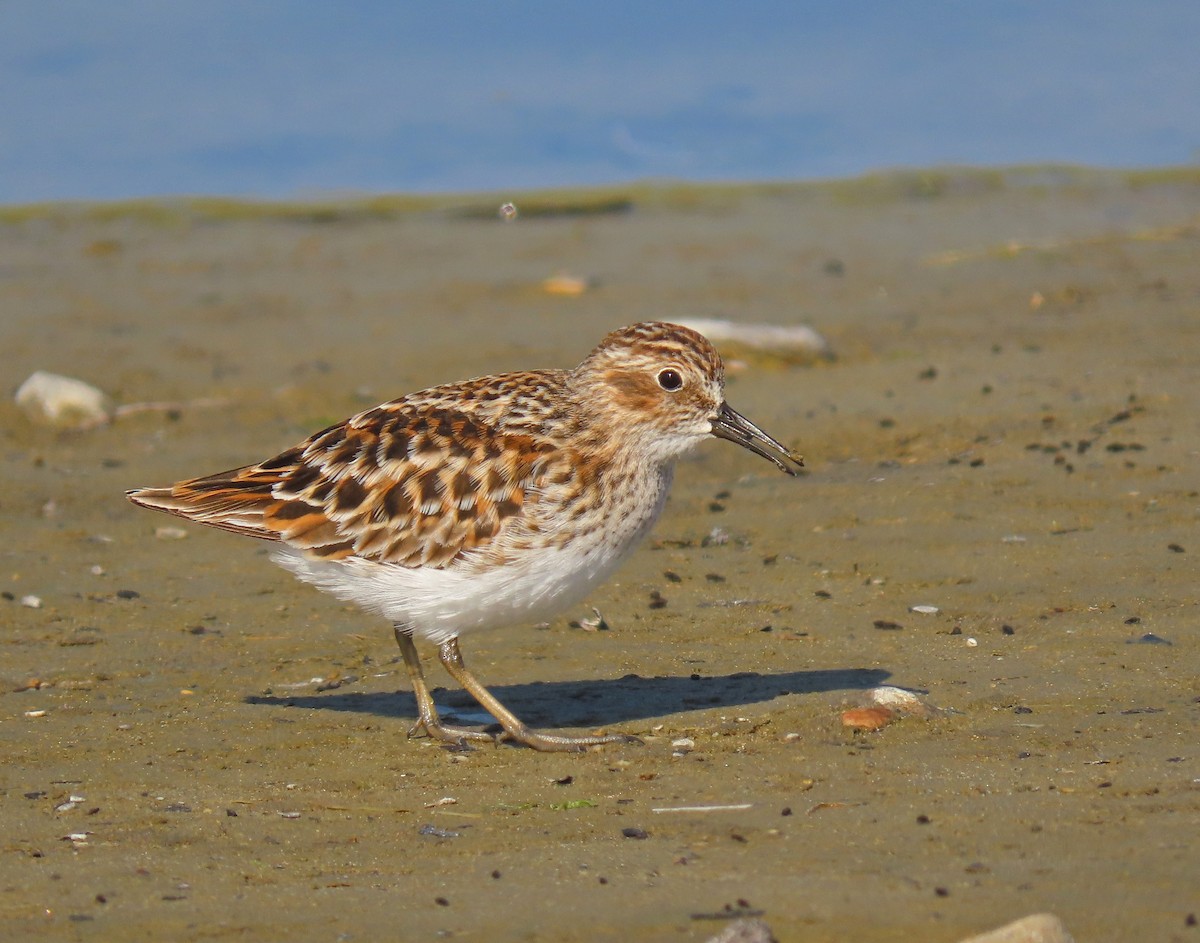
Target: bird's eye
[(670, 380)]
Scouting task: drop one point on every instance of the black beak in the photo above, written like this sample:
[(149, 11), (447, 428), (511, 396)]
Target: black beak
[(731, 425)]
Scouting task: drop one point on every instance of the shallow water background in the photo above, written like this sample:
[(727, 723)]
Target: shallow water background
[(274, 100), (1009, 433)]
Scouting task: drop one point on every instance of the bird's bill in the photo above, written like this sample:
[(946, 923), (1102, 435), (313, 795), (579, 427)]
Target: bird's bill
[(732, 425)]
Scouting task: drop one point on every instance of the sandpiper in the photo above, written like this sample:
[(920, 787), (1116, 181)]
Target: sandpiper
[(484, 503)]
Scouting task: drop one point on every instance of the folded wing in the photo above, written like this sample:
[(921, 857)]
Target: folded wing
[(411, 485)]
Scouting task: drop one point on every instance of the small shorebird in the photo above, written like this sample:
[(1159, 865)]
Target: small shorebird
[(484, 503)]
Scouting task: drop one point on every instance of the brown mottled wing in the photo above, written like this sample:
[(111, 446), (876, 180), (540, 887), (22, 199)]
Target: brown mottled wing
[(413, 484)]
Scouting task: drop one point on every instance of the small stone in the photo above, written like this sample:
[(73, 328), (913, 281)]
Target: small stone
[(744, 931), (434, 831), (1037, 928), (55, 400), (569, 285), (900, 701), (1148, 639), (796, 343), (683, 745), (925, 610), (31, 602), (868, 718)]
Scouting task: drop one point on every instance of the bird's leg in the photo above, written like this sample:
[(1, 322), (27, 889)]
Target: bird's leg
[(514, 728), (427, 712)]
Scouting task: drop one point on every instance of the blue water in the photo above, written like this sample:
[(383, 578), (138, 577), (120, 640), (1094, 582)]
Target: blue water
[(276, 99)]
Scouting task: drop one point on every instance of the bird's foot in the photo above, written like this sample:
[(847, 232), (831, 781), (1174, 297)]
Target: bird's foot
[(557, 743), (448, 733)]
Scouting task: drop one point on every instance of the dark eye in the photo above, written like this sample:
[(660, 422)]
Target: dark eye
[(670, 380)]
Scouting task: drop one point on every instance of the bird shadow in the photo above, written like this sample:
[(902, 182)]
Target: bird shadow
[(603, 702)]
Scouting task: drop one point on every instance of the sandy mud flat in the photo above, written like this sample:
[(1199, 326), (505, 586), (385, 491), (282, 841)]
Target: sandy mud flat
[(195, 747)]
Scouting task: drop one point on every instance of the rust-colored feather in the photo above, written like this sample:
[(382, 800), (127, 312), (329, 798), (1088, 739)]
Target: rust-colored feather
[(417, 482)]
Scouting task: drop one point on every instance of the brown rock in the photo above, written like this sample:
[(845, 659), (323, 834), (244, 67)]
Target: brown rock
[(868, 718)]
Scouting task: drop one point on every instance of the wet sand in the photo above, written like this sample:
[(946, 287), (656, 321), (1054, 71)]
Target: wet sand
[(1009, 433)]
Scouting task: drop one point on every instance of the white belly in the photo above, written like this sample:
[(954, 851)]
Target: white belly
[(440, 604)]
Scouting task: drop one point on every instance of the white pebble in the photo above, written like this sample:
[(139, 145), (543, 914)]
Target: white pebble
[(778, 339), (683, 746), (62, 401), (893, 697), (1036, 928), (925, 610), (170, 533), (35, 713), (971, 642), (31, 602)]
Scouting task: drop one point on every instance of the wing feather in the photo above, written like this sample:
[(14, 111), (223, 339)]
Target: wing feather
[(416, 482)]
